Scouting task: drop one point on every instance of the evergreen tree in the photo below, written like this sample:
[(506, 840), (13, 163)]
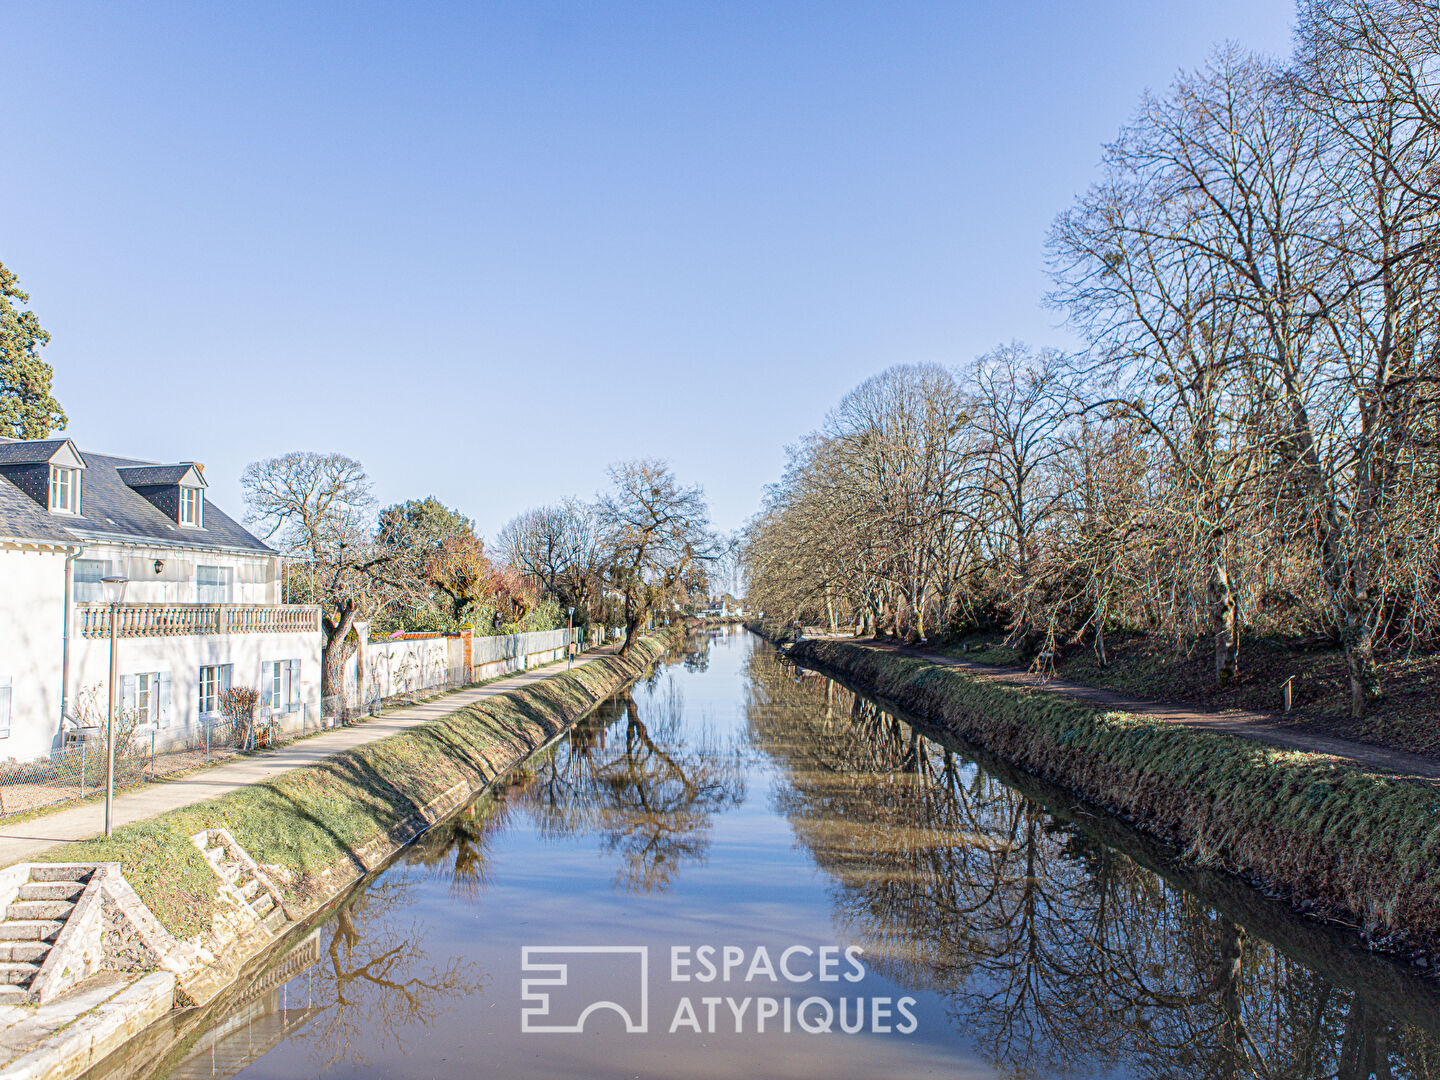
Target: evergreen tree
[(27, 411)]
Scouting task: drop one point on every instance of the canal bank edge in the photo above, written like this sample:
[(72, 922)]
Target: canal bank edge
[(310, 835), (1342, 844)]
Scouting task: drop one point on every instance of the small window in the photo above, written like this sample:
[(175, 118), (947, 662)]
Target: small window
[(280, 686), (212, 584), (192, 507), (214, 681), (64, 490), (146, 697), (88, 575)]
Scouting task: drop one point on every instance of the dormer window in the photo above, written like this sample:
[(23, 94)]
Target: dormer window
[(192, 507), (64, 490)]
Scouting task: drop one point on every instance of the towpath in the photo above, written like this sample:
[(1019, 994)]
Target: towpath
[(1271, 728), (23, 840)]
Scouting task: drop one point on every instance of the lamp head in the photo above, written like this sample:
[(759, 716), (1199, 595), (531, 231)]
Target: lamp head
[(115, 588)]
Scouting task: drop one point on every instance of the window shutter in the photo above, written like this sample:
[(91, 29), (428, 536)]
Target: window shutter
[(5, 689), (165, 699), (267, 685), (226, 670), (294, 685), (127, 694)]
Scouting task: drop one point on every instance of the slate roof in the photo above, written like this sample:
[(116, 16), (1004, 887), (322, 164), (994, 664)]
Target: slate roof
[(111, 508), (22, 518), (153, 475), (33, 452)]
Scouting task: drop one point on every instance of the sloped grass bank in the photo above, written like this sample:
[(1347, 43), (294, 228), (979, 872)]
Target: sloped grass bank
[(316, 822), (1357, 847)]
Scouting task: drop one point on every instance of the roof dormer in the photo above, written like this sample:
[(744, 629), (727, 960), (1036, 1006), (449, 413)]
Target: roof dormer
[(177, 491), (48, 470)]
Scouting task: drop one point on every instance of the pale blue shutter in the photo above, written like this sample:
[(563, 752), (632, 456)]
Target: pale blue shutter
[(226, 670), (165, 699), (267, 685), (5, 689), (127, 695), (294, 686)]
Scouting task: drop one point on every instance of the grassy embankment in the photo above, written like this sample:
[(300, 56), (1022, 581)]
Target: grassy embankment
[(1345, 844), (1164, 670), (318, 818)]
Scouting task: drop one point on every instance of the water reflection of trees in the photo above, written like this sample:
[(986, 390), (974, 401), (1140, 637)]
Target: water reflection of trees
[(1054, 952), (376, 978), (643, 779), (460, 847)]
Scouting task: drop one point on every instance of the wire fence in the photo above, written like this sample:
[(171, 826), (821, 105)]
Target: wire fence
[(77, 770)]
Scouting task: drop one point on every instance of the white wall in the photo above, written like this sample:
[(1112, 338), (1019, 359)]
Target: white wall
[(406, 664), (403, 665), (183, 656), (32, 625), (255, 578)]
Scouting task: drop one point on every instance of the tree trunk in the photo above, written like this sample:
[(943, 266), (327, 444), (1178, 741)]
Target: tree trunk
[(1360, 657), (338, 648), (1223, 623), (1231, 970)]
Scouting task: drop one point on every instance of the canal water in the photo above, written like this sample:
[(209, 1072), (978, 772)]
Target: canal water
[(743, 869)]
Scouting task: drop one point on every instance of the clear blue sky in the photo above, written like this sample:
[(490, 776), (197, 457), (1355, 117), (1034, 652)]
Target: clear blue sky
[(487, 249)]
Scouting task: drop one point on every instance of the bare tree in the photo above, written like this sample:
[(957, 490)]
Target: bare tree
[(558, 547), (318, 508), (657, 539)]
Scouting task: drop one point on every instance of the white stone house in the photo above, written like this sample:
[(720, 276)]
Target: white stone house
[(202, 608)]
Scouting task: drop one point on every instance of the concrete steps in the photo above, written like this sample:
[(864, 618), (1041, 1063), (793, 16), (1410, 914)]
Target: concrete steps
[(241, 878), (31, 923)]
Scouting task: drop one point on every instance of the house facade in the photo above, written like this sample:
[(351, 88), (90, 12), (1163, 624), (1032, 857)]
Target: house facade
[(202, 609)]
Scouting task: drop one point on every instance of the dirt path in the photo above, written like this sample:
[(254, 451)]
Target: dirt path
[(1262, 727)]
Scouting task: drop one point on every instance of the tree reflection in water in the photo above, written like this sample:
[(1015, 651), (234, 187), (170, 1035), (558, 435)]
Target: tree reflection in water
[(461, 846), (1053, 951), (648, 786), (376, 978), (644, 780)]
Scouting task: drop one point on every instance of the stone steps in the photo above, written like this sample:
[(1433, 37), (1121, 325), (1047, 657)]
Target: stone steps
[(235, 869), (31, 923), (24, 952), (18, 973), (51, 890), (29, 929), (40, 909)]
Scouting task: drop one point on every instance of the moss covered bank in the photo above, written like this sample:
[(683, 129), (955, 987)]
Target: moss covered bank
[(1342, 843)]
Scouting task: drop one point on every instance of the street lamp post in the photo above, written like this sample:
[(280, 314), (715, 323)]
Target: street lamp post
[(115, 593)]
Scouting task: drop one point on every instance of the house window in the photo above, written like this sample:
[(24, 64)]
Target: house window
[(212, 584), (64, 490), (280, 686), (146, 696), (214, 681), (192, 507), (5, 706), (88, 580)]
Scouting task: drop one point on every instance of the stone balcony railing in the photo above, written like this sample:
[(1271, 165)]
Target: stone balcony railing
[(173, 620)]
